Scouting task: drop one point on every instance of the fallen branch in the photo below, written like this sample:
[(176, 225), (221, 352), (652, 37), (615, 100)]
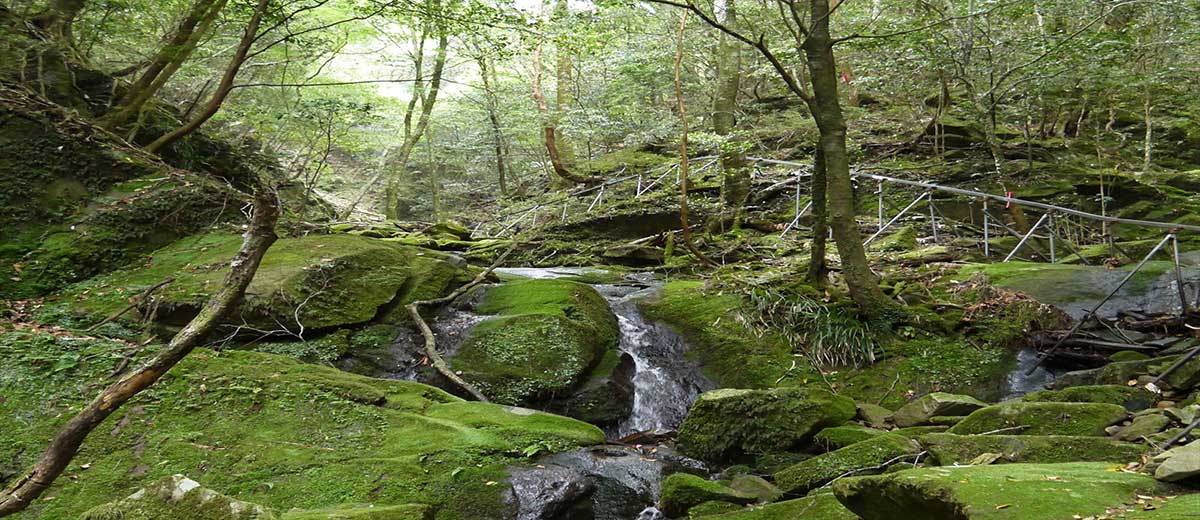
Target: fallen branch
[(132, 304), (414, 310), (66, 442)]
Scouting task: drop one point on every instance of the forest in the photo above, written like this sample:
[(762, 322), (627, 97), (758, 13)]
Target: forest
[(599, 259)]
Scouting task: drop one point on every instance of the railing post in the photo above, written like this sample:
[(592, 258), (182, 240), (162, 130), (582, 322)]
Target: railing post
[(987, 224), (1183, 299), (1026, 237)]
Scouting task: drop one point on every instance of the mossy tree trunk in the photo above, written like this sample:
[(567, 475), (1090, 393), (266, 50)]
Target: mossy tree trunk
[(735, 173), (491, 104), (564, 91), (69, 438), (816, 263), (549, 122), (684, 183), (58, 20)]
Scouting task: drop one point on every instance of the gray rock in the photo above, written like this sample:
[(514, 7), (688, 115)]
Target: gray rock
[(1179, 463), (935, 404), (1144, 426)]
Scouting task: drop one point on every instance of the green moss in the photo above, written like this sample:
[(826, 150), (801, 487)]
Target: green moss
[(729, 352), (268, 430), (319, 281), (836, 437), (1132, 398), (731, 422), (822, 506), (632, 160), (365, 512), (1062, 283), (1008, 491), (178, 497), (546, 338), (948, 449), (903, 239), (682, 491), (1043, 419), (862, 456)]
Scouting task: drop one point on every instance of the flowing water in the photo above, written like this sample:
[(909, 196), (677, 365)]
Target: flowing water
[(619, 482)]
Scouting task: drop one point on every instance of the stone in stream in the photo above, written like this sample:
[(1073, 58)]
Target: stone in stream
[(1144, 426), (865, 456), (999, 492), (947, 449), (1179, 463), (836, 437), (935, 404), (873, 415), (682, 491), (1042, 419), (1131, 397), (730, 422), (1118, 373)]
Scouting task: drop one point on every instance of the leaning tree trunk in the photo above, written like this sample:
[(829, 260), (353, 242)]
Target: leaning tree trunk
[(174, 52), (827, 111), (223, 88), (491, 102), (549, 125), (67, 441), (684, 182)]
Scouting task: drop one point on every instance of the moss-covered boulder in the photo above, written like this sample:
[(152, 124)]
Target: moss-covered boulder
[(935, 404), (730, 422), (682, 491), (269, 430), (1010, 491), (1144, 427), (1042, 419), (364, 512), (836, 437), (819, 506), (304, 284), (545, 338), (865, 456), (1132, 398), (1178, 464), (1185, 377), (1118, 373), (180, 497), (873, 415), (947, 449)]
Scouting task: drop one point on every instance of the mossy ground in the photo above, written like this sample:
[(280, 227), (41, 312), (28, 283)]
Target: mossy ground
[(1008, 491), (862, 456), (268, 430), (318, 281), (948, 449), (1034, 418)]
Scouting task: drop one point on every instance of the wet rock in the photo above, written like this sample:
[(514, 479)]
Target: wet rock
[(1042, 419), (1118, 373), (1010, 491), (730, 422), (549, 492), (178, 497), (1179, 463), (864, 456), (682, 491), (948, 449), (635, 255), (935, 404), (1132, 398), (606, 397)]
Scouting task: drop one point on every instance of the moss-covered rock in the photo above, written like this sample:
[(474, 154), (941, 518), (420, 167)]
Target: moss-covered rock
[(269, 430), (1132, 398), (682, 491), (178, 497), (1043, 419), (822, 506), (935, 404), (546, 338), (730, 422), (364, 512), (873, 415), (304, 284), (836, 437), (948, 449), (1144, 427), (862, 456), (1010, 491), (1178, 464)]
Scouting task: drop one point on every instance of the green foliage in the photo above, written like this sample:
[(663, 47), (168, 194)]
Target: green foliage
[(828, 336)]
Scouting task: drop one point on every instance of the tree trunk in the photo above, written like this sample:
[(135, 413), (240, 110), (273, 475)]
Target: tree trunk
[(1148, 139), (686, 231), (549, 125), (70, 436), (564, 93), (827, 111), (58, 20), (735, 175), (491, 103), (816, 263), (223, 88), (166, 62)]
